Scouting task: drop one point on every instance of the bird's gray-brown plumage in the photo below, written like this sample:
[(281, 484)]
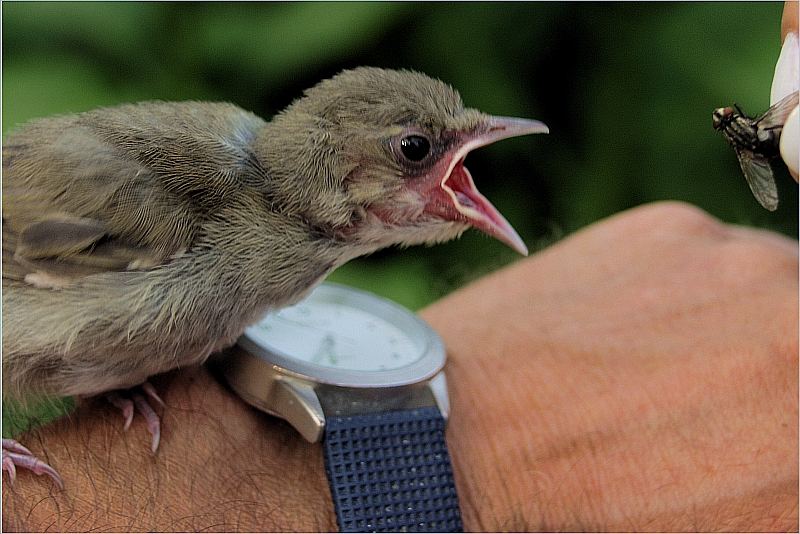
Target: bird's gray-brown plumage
[(143, 237)]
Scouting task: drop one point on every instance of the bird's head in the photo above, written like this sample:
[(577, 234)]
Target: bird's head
[(381, 154)]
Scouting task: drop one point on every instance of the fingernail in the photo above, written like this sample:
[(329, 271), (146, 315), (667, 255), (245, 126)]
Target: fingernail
[(790, 139), (787, 70)]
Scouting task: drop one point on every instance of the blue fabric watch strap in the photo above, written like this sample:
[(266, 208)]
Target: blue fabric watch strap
[(390, 471)]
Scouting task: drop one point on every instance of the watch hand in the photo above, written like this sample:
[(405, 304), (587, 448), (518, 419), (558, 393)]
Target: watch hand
[(325, 349)]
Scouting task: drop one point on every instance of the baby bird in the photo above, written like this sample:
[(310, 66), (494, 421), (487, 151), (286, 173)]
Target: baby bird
[(142, 238)]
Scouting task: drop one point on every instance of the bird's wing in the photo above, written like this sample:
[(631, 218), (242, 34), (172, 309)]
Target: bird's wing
[(57, 249), (63, 220), (118, 189)]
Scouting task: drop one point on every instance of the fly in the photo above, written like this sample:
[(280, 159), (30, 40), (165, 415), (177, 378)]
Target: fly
[(756, 142)]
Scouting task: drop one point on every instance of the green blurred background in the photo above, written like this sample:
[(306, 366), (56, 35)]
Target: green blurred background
[(626, 88)]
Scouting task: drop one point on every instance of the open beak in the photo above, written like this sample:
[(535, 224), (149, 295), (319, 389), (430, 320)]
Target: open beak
[(457, 182)]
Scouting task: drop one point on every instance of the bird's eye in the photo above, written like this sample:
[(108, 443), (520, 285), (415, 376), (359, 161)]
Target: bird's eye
[(415, 147)]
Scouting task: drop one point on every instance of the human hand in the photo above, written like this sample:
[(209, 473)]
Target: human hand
[(787, 80), (639, 375)]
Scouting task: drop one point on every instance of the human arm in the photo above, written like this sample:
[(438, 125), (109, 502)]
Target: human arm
[(639, 375)]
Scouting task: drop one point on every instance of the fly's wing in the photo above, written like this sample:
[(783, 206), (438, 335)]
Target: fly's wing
[(776, 116), (758, 174)]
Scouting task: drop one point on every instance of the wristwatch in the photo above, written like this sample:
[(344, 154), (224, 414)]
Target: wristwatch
[(364, 376)]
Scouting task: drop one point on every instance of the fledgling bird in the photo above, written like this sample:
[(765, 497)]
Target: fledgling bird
[(144, 237)]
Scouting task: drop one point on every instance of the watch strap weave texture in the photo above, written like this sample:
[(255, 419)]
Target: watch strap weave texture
[(390, 472)]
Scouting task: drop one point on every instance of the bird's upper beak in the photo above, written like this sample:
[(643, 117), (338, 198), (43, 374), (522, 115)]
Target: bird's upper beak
[(458, 199)]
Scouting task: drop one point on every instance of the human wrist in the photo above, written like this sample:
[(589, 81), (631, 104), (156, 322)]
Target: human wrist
[(220, 466)]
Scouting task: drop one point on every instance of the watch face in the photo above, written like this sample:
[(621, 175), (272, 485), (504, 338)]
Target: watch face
[(337, 336), (340, 335)]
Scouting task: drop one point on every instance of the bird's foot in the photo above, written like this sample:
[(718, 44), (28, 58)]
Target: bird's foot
[(17, 455), (133, 400)]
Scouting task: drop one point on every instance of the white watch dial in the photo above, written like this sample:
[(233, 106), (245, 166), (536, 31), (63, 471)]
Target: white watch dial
[(336, 336)]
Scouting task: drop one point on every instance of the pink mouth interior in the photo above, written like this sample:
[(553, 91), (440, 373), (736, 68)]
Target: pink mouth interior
[(461, 185), (476, 209), (467, 195)]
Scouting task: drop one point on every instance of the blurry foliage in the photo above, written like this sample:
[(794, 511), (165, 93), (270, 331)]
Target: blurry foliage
[(18, 418), (626, 88)]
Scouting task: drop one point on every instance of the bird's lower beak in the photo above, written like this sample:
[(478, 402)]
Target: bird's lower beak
[(457, 182)]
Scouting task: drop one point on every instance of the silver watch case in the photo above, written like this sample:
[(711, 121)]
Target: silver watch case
[(303, 393)]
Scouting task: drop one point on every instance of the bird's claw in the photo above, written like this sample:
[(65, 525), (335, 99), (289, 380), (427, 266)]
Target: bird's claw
[(148, 388), (133, 401), (125, 406), (15, 454)]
